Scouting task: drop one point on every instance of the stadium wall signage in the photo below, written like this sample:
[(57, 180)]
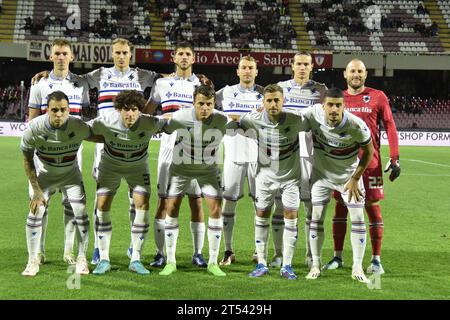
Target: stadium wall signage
[(230, 58), (405, 138), (83, 52), (420, 138)]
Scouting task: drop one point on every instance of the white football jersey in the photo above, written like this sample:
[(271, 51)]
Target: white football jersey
[(75, 87), (336, 148), (278, 144), (173, 93), (296, 98), (197, 145), (236, 100), (126, 146), (110, 82), (55, 149)]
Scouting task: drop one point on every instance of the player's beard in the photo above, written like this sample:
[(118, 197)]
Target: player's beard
[(355, 87)]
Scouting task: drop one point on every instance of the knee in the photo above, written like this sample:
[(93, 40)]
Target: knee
[(229, 206)]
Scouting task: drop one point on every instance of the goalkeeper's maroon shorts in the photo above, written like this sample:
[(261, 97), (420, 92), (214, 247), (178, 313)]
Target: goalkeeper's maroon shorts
[(373, 183)]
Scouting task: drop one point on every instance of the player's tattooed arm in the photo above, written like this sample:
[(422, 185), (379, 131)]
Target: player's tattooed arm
[(39, 76), (30, 170), (352, 184)]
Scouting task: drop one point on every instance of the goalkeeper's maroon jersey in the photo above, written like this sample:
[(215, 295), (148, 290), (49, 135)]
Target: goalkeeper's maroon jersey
[(372, 106)]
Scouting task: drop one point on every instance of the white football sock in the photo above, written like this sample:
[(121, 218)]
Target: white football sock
[(198, 236), (358, 235), (158, 234), (214, 236), (171, 230), (229, 219), (278, 227), (43, 230), (131, 214), (139, 232), (104, 233), (69, 227), (316, 233), (261, 238), (33, 230), (289, 240), (82, 224), (308, 215)]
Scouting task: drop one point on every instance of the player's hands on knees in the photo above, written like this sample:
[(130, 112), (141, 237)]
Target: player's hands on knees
[(37, 201), (393, 165), (39, 76), (353, 190)]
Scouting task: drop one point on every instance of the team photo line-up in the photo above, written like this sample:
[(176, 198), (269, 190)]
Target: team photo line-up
[(295, 141)]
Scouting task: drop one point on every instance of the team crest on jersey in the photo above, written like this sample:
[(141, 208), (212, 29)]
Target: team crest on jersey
[(109, 76), (235, 94), (366, 99), (259, 96), (289, 89), (50, 85), (171, 84)]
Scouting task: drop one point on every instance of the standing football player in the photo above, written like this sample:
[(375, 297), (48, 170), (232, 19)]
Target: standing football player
[(76, 89), (300, 92), (372, 106), (338, 137), (241, 153)]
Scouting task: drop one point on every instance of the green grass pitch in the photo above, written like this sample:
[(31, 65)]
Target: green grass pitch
[(414, 254)]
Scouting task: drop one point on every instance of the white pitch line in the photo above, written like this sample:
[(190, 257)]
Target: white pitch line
[(425, 175), (425, 162)]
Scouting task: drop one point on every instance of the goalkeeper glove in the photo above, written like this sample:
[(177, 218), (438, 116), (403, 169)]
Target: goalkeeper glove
[(394, 166)]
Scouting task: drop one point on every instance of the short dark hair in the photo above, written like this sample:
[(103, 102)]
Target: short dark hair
[(184, 44), (129, 98), (57, 96), (272, 88), (205, 90), (334, 93)]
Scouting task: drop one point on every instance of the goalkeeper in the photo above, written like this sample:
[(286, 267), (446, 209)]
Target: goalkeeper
[(372, 106)]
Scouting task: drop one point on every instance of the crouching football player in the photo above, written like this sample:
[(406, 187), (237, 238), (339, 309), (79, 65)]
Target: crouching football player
[(55, 139)]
